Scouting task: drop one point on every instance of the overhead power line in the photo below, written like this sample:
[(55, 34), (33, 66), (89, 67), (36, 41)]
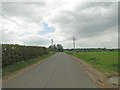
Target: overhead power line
[(22, 26), (93, 13)]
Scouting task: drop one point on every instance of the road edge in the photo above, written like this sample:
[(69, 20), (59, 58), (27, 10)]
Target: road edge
[(97, 77), (15, 74)]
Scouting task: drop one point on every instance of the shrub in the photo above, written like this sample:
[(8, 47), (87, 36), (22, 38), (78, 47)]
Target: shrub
[(15, 53)]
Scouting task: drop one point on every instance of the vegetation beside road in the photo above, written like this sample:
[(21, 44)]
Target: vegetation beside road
[(23, 64), (16, 53), (16, 57), (12, 53), (105, 62)]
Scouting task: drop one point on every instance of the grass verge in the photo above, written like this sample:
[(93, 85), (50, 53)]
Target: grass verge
[(105, 62), (22, 64)]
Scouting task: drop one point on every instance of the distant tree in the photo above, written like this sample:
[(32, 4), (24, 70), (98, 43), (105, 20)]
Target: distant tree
[(60, 47), (52, 48), (57, 47)]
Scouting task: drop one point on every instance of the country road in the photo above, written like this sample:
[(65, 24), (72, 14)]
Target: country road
[(57, 71)]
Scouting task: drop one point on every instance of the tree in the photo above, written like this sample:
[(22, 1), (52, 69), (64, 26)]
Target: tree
[(52, 48), (56, 48), (59, 47)]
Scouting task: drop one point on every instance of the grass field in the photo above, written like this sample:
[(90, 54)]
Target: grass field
[(23, 64), (105, 62)]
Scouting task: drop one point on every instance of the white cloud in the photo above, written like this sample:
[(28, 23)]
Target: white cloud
[(92, 23)]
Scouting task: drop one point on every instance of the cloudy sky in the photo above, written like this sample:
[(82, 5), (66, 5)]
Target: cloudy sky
[(94, 24)]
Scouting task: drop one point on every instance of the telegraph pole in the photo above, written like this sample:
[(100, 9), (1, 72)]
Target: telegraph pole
[(52, 47), (52, 41), (74, 43)]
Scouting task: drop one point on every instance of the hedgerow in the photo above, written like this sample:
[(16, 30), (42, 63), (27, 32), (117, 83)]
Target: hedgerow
[(14, 53)]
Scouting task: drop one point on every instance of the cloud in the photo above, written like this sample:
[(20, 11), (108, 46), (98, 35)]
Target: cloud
[(93, 24), (34, 39), (81, 24)]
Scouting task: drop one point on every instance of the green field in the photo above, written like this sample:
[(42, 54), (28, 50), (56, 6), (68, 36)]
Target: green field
[(22, 64), (105, 62)]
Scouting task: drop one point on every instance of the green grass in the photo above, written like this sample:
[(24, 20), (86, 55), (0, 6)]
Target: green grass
[(22, 64), (105, 62)]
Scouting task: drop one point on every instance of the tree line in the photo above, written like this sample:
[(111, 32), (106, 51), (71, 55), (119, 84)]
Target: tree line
[(57, 47), (91, 50), (12, 53)]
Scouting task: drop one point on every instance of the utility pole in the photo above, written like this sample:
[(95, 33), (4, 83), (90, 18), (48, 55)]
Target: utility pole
[(52, 47), (74, 43), (52, 41)]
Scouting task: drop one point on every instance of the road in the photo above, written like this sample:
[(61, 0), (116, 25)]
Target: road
[(58, 71)]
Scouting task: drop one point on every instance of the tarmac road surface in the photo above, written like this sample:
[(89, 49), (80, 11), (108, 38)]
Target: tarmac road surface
[(57, 71)]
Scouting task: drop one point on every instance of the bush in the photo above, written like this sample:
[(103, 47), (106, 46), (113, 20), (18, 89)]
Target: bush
[(15, 53)]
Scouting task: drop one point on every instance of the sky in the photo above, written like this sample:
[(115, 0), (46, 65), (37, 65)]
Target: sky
[(93, 24)]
